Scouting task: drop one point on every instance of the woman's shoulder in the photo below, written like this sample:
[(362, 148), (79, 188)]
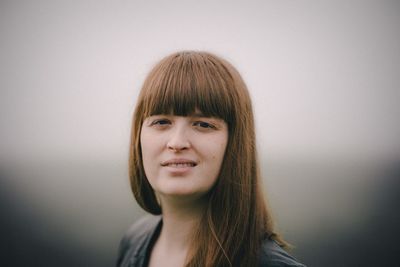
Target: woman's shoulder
[(137, 238), (275, 256)]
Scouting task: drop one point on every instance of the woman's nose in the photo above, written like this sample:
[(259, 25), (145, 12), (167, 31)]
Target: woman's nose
[(178, 140)]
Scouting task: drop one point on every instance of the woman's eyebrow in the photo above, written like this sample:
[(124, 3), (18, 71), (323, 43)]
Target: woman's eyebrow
[(197, 115), (201, 115)]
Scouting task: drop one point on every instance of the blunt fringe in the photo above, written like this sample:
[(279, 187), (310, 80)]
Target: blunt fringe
[(237, 218)]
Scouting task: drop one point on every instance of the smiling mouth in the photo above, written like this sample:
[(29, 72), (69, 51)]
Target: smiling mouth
[(179, 163)]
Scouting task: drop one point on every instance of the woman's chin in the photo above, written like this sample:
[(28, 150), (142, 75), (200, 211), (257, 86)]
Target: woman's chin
[(181, 189), (182, 193)]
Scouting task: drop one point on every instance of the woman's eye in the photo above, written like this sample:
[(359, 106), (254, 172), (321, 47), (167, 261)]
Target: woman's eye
[(204, 125), (161, 122)]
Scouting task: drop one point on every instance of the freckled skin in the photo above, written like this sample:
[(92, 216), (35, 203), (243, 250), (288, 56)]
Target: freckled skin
[(199, 139)]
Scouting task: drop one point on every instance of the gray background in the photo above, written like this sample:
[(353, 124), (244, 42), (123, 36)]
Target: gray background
[(324, 78)]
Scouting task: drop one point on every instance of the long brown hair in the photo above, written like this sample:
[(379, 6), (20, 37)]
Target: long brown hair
[(236, 220)]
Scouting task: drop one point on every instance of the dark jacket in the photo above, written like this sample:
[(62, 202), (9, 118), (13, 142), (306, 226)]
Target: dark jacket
[(136, 243)]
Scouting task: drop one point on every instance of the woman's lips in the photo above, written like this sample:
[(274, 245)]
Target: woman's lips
[(179, 166), (179, 163)]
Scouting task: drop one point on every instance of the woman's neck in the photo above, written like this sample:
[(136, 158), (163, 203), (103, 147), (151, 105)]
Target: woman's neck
[(180, 220)]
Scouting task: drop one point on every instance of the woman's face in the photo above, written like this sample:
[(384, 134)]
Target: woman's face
[(182, 155)]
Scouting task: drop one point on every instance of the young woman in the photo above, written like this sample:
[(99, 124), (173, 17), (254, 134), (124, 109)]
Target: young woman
[(193, 165)]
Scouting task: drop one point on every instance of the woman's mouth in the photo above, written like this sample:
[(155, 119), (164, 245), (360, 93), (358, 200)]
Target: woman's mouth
[(179, 163), (179, 167)]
